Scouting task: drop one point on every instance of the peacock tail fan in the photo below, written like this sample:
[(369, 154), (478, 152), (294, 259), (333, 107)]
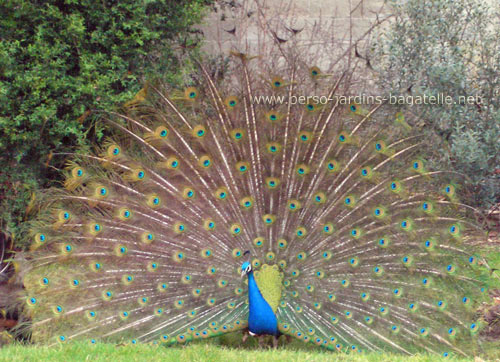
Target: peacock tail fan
[(355, 243)]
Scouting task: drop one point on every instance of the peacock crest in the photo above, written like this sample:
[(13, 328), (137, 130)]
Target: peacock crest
[(354, 242)]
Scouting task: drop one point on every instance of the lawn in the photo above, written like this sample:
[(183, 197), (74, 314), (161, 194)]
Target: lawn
[(194, 352)]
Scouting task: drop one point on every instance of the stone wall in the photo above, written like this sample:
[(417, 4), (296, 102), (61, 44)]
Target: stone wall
[(338, 15)]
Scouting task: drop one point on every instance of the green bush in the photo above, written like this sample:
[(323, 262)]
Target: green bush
[(449, 47), (60, 60)]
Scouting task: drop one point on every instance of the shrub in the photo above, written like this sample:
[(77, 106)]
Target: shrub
[(453, 48), (62, 59)]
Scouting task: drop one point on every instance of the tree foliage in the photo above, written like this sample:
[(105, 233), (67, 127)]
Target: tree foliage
[(452, 48), (62, 59)]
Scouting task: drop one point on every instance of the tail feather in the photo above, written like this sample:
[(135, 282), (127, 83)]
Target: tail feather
[(146, 240)]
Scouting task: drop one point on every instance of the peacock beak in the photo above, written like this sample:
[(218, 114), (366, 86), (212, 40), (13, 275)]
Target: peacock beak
[(243, 273)]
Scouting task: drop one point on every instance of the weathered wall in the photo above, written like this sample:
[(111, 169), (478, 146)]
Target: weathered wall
[(297, 14)]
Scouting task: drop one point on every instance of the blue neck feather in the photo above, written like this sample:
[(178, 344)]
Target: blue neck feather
[(261, 319)]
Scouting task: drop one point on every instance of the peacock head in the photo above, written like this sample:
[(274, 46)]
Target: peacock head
[(246, 268)]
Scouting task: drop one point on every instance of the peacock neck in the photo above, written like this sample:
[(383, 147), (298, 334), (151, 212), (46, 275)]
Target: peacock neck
[(261, 319)]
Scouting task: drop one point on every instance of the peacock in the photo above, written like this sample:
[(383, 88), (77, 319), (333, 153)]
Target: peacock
[(232, 205)]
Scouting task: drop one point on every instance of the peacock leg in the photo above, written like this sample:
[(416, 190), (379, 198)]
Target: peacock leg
[(261, 341), (275, 342), (245, 336)]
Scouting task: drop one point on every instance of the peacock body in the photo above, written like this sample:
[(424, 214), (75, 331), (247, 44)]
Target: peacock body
[(353, 244)]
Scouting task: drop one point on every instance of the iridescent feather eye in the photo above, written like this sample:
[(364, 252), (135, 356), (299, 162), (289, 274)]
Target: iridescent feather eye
[(206, 253), (319, 198), (429, 244), (66, 249), (231, 102), (301, 256), (395, 186), (277, 82), (305, 136), (418, 166), (449, 190), (302, 169), (209, 224), (380, 146), (179, 227), (272, 182), (354, 261), (343, 137), (427, 207), (95, 267), (378, 270), (408, 261), (152, 266), (147, 237), (237, 134), (161, 132), (258, 242), (273, 116), (188, 193), (366, 173), (64, 216), (301, 232), (94, 228), (124, 214), (450, 268), (268, 219), (357, 108), (312, 107), (314, 72), (328, 228), (246, 203), (242, 167), (406, 224), (235, 229), (332, 166), (355, 233), (137, 175), (237, 253), (326, 255), (294, 205), (474, 327), (454, 230), (199, 131), (31, 301), (172, 163), (379, 212), (345, 283), (191, 94), (350, 201), (127, 279), (221, 193), (121, 250), (153, 201), (101, 192), (113, 151), (282, 243), (383, 242), (162, 287), (273, 148), (205, 161), (77, 172)]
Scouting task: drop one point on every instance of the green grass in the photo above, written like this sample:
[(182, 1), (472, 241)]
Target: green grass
[(194, 352)]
